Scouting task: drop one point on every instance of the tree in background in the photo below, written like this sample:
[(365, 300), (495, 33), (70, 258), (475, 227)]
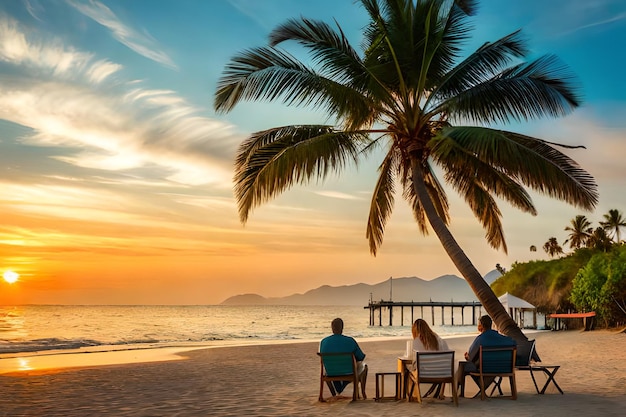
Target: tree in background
[(613, 222), (601, 286), (580, 231), (600, 240), (552, 247), (414, 95)]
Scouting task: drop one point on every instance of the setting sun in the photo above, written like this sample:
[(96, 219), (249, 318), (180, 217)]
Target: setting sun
[(10, 276)]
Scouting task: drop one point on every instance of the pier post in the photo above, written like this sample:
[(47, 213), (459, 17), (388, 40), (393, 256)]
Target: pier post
[(473, 315), (452, 314), (432, 314)]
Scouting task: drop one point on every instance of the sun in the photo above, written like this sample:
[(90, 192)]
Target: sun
[(10, 276)]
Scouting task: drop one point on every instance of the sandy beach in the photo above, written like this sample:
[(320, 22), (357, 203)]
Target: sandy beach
[(283, 380)]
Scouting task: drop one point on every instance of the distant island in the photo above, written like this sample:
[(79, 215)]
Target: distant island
[(443, 288)]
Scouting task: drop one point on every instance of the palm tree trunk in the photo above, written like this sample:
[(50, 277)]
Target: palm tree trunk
[(483, 291)]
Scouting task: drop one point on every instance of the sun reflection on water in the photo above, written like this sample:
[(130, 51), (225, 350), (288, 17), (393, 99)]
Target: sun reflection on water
[(24, 364)]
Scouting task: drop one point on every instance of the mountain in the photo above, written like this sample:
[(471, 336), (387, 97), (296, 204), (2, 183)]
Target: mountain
[(444, 288), (492, 276)]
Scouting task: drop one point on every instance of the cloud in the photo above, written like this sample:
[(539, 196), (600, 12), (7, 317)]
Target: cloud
[(142, 44), (602, 22), (52, 57), (71, 102), (338, 195)]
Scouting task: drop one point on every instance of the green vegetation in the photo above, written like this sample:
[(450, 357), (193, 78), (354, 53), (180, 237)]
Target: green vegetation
[(545, 284), (601, 286), (591, 278)]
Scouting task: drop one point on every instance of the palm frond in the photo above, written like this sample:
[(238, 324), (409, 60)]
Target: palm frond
[(530, 161), (460, 163), (483, 206), (537, 89), (330, 49), (485, 62), (273, 160), (469, 7), (270, 74), (453, 31), (382, 202)]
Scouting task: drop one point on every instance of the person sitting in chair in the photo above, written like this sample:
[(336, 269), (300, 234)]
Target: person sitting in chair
[(487, 337), (338, 343)]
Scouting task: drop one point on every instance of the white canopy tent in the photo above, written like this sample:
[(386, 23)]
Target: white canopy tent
[(516, 307)]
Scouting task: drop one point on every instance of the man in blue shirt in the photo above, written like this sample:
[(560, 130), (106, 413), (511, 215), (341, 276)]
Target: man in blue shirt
[(338, 343), (487, 337)]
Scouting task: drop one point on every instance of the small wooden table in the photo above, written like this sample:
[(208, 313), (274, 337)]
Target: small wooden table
[(403, 361), (380, 386)]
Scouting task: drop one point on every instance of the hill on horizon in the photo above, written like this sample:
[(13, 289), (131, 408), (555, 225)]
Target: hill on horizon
[(443, 288)]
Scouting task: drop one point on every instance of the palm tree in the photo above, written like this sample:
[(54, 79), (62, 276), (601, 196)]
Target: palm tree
[(580, 231), (600, 240), (407, 94), (552, 247), (612, 223)]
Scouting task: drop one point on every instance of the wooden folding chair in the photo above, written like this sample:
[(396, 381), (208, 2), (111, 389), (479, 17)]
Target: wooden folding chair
[(494, 363), (434, 368), (341, 367), (525, 354)]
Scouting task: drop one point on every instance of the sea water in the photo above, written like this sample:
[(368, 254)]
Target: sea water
[(41, 328)]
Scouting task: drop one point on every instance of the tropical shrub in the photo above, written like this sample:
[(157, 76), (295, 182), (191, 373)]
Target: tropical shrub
[(601, 286)]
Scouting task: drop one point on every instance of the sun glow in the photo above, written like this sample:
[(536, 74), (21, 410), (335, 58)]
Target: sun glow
[(10, 276)]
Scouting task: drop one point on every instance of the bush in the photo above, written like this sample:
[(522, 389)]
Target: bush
[(601, 286)]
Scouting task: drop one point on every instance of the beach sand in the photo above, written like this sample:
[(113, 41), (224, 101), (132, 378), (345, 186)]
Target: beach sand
[(283, 380)]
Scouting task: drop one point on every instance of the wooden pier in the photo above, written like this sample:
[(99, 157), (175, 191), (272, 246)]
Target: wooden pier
[(378, 306)]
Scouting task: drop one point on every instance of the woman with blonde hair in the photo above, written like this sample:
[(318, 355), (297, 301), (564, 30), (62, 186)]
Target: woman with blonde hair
[(425, 339)]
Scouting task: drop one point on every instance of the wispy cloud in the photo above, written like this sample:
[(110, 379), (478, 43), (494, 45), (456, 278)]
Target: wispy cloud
[(65, 96), (255, 10), (127, 35), (603, 22), (52, 57), (338, 195)]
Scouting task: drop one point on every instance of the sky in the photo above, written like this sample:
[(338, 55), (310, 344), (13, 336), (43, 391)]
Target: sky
[(116, 173)]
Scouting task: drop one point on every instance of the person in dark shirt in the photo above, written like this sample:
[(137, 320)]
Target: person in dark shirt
[(487, 337)]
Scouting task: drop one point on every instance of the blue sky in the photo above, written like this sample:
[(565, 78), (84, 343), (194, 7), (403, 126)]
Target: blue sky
[(116, 174)]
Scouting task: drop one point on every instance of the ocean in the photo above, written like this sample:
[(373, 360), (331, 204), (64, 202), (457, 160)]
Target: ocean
[(39, 329)]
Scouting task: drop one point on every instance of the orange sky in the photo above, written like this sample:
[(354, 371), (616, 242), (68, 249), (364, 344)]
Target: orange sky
[(116, 176)]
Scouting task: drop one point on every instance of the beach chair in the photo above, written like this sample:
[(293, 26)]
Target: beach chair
[(494, 363), (434, 368), (525, 355), (341, 367)]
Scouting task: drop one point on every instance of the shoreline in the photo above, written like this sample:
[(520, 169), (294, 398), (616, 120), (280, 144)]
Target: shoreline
[(105, 355)]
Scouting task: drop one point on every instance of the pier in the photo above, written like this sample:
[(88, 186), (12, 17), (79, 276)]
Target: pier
[(378, 306)]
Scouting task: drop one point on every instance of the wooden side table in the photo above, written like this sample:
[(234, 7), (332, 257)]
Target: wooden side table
[(380, 386)]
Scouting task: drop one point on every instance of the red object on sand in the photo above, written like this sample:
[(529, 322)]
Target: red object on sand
[(572, 315)]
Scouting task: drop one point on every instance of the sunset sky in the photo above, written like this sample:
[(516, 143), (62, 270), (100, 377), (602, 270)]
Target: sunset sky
[(116, 174)]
